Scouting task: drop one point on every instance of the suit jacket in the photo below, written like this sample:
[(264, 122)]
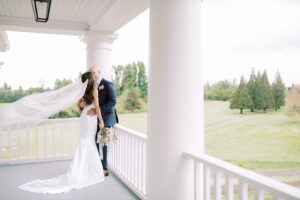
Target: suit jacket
[(107, 101)]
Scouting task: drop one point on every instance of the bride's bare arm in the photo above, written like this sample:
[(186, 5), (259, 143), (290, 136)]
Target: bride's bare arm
[(97, 108)]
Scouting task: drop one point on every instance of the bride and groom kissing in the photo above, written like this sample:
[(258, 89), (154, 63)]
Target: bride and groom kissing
[(89, 164)]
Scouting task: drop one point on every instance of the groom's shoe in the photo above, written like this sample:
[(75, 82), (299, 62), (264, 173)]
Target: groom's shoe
[(106, 173)]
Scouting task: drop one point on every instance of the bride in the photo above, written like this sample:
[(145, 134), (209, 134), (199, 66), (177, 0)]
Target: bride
[(85, 168)]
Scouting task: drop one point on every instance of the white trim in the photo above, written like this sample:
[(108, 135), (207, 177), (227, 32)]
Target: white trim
[(55, 27)]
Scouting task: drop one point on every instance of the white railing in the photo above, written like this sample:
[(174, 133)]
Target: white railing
[(127, 158), (216, 179), (56, 139), (41, 140)]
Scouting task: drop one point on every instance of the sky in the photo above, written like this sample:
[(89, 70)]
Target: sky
[(237, 35)]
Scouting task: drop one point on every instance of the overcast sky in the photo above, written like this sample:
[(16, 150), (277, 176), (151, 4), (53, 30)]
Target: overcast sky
[(237, 35)]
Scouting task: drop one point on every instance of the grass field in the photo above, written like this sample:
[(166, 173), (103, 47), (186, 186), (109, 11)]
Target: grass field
[(252, 140), (256, 141)]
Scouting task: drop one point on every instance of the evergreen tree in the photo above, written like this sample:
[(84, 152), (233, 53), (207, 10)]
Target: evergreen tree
[(267, 100), (142, 80), (241, 99), (117, 78), (278, 89), (257, 92), (251, 88), (132, 101), (5, 86), (129, 76)]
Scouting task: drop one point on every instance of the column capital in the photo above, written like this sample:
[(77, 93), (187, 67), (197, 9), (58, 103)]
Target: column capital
[(98, 36)]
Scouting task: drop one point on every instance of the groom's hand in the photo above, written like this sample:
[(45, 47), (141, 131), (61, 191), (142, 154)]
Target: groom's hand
[(92, 112)]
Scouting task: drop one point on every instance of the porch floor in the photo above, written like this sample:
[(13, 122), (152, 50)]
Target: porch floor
[(11, 176)]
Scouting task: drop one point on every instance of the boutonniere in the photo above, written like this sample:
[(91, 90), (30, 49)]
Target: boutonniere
[(101, 87)]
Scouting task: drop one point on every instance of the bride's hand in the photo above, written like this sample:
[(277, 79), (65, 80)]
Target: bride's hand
[(101, 125)]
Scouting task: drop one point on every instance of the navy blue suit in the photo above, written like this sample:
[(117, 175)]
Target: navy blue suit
[(107, 101)]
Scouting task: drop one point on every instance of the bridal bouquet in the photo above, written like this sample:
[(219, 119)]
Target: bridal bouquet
[(104, 136)]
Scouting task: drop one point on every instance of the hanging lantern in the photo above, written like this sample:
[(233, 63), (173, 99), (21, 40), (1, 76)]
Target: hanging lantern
[(41, 10)]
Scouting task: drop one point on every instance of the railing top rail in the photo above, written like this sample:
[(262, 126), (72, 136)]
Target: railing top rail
[(133, 132), (266, 183)]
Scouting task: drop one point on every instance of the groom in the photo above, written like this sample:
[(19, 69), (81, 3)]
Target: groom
[(107, 101)]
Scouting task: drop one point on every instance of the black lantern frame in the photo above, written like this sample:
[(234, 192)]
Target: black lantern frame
[(38, 16)]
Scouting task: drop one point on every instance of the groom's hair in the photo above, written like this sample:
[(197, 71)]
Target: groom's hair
[(88, 94)]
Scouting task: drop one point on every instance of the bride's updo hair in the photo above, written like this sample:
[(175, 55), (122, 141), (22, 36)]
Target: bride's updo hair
[(88, 94)]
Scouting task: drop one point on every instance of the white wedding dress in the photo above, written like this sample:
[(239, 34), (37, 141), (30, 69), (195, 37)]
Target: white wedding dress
[(85, 168)]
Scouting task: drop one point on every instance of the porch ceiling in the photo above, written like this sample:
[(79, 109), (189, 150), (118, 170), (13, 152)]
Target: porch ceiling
[(71, 16)]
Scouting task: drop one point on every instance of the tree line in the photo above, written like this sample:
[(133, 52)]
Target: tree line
[(7, 95), (131, 86), (220, 91), (258, 93)]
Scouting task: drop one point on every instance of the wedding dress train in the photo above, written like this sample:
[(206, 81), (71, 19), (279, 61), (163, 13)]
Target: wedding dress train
[(85, 168)]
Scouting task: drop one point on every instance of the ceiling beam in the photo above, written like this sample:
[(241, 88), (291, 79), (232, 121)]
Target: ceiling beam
[(55, 27)]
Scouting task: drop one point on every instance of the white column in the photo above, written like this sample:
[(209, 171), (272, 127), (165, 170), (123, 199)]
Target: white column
[(98, 51), (175, 112)]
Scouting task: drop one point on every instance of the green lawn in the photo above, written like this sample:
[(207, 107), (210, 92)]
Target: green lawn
[(252, 140)]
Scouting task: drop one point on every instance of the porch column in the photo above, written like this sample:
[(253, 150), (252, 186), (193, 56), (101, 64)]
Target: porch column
[(175, 104), (98, 51)]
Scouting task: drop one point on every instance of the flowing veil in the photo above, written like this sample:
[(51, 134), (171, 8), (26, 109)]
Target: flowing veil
[(43, 105)]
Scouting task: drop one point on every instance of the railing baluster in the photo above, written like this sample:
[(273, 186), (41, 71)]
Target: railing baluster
[(135, 160), (53, 139), (243, 190), (18, 141), (70, 136), (112, 157), (217, 184), (198, 180), (9, 145), (207, 183), (258, 194), (132, 159), (129, 157), (139, 166), (124, 153), (125, 139), (117, 153), (144, 167), (27, 140), (229, 188), (114, 152), (45, 140), (36, 140), (61, 138)]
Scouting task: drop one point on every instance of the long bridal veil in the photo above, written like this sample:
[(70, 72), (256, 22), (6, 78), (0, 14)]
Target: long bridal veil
[(43, 105)]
